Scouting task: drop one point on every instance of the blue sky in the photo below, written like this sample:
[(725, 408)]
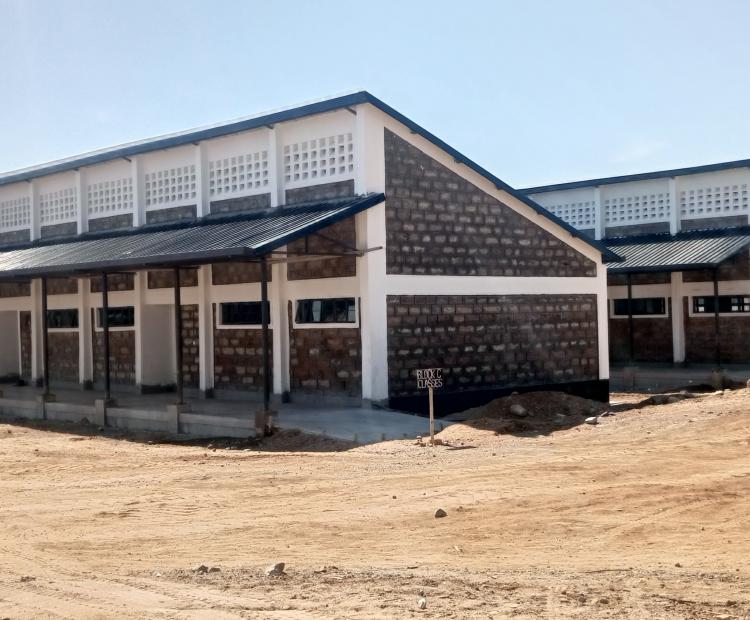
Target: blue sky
[(536, 91)]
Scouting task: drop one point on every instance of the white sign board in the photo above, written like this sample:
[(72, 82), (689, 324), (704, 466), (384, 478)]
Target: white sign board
[(429, 378)]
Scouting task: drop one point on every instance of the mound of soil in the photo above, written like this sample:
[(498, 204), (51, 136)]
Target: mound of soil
[(529, 413)]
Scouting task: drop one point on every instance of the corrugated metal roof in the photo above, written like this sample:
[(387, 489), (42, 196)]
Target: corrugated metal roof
[(210, 240), (700, 249)]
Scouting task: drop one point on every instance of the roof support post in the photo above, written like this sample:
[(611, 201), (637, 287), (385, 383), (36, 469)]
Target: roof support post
[(631, 340), (265, 339), (178, 337), (105, 337), (45, 341), (717, 331)]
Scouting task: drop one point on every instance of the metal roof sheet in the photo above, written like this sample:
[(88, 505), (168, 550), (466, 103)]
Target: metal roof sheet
[(209, 240), (700, 249)]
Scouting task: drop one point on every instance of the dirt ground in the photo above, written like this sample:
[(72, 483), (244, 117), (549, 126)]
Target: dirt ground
[(644, 515)]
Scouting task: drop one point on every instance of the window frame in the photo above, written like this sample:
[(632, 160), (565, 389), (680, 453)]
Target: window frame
[(709, 313), (330, 324), (52, 328), (119, 328), (662, 315), (220, 315)]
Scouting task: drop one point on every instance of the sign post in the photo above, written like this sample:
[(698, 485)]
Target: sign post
[(430, 378)]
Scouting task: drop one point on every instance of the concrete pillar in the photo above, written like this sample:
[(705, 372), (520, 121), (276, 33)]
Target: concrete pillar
[(83, 207), (599, 216), (34, 211), (275, 168), (674, 212), (140, 282), (139, 196), (202, 184), (678, 318), (37, 362), (205, 332), (280, 327), (602, 315), (85, 344)]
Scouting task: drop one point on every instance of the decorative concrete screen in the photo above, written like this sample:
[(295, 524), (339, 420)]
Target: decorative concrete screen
[(238, 175), (170, 187), (638, 206), (15, 213), (579, 214), (110, 197), (59, 206), (329, 157), (714, 201)]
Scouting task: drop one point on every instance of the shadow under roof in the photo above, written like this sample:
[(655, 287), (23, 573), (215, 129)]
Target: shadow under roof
[(211, 239)]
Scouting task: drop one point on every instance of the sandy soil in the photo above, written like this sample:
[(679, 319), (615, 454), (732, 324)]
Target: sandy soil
[(642, 516)]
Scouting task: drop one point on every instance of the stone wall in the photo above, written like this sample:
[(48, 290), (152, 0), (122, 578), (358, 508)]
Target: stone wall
[(63, 356), (652, 339), (121, 356), (484, 341), (325, 242), (236, 273), (238, 358), (62, 286), (326, 360), (621, 279), (15, 236), (15, 289), (700, 338), (190, 345), (736, 268), (246, 204), (68, 229), (173, 214), (25, 332), (636, 229), (112, 222), (710, 223), (324, 191), (165, 278), (437, 223), (115, 282)]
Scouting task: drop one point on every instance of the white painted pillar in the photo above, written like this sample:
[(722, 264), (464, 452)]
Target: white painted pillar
[(85, 345), (205, 331), (275, 168), (34, 211), (602, 315), (674, 211), (599, 219), (37, 361), (280, 328), (83, 207), (20, 346), (139, 196), (140, 282), (202, 185), (678, 318)]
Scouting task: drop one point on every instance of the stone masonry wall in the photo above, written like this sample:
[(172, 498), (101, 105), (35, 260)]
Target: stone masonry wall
[(112, 222), (190, 345), (652, 339), (339, 189), (325, 360), (620, 279), (25, 331), (63, 356), (237, 273), (710, 223), (15, 236), (736, 268), (238, 358), (437, 223), (343, 232), (15, 289), (69, 229), (173, 214), (115, 282), (165, 278), (734, 335), (484, 341), (62, 286), (121, 356), (246, 204), (636, 229)]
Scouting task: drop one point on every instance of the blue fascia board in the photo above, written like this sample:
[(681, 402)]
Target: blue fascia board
[(643, 176)]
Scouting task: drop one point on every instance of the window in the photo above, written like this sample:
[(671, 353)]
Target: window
[(728, 304), (341, 310), (641, 306), (62, 319), (117, 317), (242, 313)]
